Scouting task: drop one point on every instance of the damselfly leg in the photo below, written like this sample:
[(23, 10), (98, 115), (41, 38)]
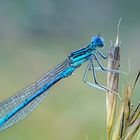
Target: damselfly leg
[(101, 67), (97, 85), (102, 55)]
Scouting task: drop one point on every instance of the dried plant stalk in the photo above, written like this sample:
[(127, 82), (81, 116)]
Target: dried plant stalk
[(112, 83), (122, 123), (126, 110), (132, 131), (128, 121), (118, 126), (135, 114)]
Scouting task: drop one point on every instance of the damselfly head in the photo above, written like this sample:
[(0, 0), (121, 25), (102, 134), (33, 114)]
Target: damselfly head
[(97, 41)]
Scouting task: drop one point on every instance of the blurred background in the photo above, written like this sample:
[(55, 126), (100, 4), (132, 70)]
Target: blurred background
[(36, 35)]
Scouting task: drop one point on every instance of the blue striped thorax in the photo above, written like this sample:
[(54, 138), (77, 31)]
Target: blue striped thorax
[(80, 56)]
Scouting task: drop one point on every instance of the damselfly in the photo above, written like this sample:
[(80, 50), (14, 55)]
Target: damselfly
[(17, 107)]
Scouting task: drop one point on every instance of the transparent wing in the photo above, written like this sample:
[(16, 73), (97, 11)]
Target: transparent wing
[(14, 101)]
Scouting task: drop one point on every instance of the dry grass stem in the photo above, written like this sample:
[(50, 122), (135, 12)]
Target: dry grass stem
[(112, 83), (132, 130), (128, 121), (135, 114)]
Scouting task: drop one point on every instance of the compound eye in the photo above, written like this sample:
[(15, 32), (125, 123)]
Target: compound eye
[(97, 41)]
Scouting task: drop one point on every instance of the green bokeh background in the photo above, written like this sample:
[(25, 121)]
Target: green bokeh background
[(35, 35)]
